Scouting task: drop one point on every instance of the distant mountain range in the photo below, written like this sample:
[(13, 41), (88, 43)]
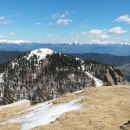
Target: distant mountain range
[(113, 49)]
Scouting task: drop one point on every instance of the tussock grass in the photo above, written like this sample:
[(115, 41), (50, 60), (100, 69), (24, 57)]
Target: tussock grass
[(10, 113), (104, 108), (15, 126)]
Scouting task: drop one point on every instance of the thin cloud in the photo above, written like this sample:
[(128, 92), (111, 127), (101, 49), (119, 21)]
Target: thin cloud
[(103, 35), (12, 34), (60, 19), (63, 21), (96, 33), (116, 30), (60, 15), (104, 32), (124, 18), (38, 23), (4, 20), (13, 41), (3, 36)]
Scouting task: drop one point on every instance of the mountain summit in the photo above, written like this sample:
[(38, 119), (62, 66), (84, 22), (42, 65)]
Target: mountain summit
[(40, 53), (43, 74)]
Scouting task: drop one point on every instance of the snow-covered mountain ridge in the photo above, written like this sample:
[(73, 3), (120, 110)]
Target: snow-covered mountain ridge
[(43, 74), (113, 49)]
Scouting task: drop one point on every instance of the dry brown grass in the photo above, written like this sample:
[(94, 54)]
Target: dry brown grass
[(15, 126), (66, 98), (10, 113), (105, 108)]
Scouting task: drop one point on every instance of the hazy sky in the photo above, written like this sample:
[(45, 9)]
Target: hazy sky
[(84, 21)]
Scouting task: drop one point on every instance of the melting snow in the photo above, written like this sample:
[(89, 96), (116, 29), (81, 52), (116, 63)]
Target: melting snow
[(40, 53), (45, 113), (97, 82)]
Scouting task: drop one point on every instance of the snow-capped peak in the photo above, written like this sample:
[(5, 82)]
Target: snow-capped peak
[(40, 53)]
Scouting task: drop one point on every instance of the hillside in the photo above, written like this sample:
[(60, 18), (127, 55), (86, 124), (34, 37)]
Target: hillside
[(126, 70), (43, 74), (104, 58), (9, 55), (104, 108), (121, 62)]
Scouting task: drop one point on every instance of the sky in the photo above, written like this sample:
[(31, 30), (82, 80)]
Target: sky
[(65, 21)]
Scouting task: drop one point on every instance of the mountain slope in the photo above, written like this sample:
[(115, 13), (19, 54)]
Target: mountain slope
[(50, 111), (126, 70), (121, 62), (42, 75), (103, 108)]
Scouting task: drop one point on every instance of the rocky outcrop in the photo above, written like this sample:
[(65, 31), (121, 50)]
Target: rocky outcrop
[(42, 75), (125, 126), (112, 76)]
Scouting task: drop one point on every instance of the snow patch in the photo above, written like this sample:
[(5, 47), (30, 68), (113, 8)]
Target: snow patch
[(97, 82), (45, 113), (40, 53), (77, 59), (77, 92), (1, 77)]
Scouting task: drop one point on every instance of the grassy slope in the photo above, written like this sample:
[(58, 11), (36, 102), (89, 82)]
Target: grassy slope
[(105, 108)]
